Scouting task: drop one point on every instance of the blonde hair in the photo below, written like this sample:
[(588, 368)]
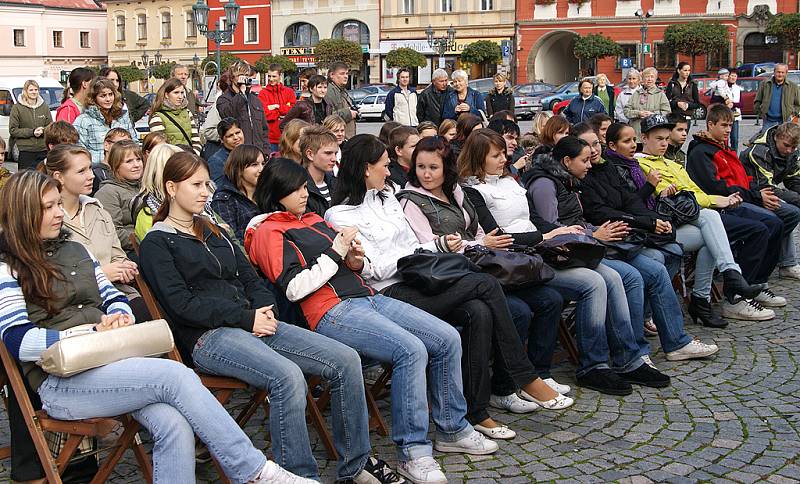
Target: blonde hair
[(539, 121), (291, 133), (650, 70), (333, 121), (500, 77), (153, 176), (27, 84), (599, 76), (119, 151)]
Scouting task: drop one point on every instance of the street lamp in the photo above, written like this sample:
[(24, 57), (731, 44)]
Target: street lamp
[(643, 18), (158, 57), (218, 35), (145, 59), (441, 44)]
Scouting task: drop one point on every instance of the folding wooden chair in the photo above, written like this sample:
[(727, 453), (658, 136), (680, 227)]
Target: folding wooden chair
[(37, 422)]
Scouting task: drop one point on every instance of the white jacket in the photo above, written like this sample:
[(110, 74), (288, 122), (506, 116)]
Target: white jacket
[(405, 107), (384, 234), (506, 200), (622, 99)]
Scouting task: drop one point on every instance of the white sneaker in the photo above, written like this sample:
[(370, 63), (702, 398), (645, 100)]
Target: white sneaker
[(791, 272), (512, 403), (474, 444), (422, 470), (274, 474), (695, 349), (500, 432), (746, 310), (768, 299), (649, 362), (558, 387)]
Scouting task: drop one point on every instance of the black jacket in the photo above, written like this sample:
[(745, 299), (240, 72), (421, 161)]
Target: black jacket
[(397, 174), (249, 114), (234, 207), (687, 94), (764, 163), (606, 196), (430, 103), (316, 202), (624, 172), (201, 285), (570, 211), (499, 101)]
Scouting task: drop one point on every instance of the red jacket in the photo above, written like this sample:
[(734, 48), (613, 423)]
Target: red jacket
[(285, 98), (68, 111), (717, 169)]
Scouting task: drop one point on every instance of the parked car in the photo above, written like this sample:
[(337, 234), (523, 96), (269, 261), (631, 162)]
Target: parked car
[(484, 85), (749, 89), (359, 94), (371, 107), (142, 126), (566, 91), (526, 105), (755, 69)]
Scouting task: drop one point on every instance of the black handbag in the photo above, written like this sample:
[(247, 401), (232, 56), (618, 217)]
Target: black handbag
[(628, 247), (433, 272), (568, 251), (514, 269), (680, 208)]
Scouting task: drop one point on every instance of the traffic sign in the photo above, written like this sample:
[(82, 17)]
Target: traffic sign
[(152, 81), (626, 62), (646, 48), (506, 47)]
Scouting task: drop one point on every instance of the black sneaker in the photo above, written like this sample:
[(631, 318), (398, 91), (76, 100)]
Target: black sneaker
[(605, 381), (376, 471), (646, 376)]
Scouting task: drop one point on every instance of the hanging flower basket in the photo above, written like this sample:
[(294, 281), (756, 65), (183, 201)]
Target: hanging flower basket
[(544, 2), (577, 2)]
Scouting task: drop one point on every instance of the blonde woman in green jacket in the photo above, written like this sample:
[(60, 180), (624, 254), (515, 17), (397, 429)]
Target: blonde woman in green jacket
[(171, 115), (29, 116)]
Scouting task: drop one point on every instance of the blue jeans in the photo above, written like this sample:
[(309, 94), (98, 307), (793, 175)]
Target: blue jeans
[(277, 363), (790, 216), (603, 322), (666, 308), (170, 402), (670, 257), (541, 331), (706, 235), (391, 331)]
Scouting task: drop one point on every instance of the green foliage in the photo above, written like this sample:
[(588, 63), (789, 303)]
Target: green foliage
[(265, 61), (162, 71), (405, 57), (786, 27), (226, 58), (482, 51), (595, 46), (696, 38), (329, 51), (130, 73)]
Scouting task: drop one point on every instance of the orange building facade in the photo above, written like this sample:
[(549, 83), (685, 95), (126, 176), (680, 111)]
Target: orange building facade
[(253, 36), (547, 29)]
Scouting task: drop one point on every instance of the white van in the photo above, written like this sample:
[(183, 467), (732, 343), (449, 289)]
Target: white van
[(10, 89)]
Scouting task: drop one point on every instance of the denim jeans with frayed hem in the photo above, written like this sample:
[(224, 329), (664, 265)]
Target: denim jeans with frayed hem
[(168, 399)]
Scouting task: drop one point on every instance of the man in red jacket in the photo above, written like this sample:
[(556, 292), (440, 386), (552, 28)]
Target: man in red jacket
[(277, 100)]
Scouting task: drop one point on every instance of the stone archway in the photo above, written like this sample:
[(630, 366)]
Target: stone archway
[(552, 59)]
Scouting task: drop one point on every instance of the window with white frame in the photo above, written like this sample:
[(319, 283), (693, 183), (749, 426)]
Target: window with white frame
[(447, 6), (120, 28), (141, 27), (191, 28), (486, 5), (19, 37), (166, 25), (58, 38), (408, 7), (251, 30), (83, 39)]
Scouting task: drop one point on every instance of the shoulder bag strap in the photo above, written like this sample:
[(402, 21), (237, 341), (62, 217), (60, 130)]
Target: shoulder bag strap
[(177, 125)]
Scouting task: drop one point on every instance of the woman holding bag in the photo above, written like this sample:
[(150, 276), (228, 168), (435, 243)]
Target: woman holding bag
[(474, 302), (172, 116), (53, 285)]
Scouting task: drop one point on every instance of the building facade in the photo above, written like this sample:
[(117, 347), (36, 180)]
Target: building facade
[(545, 53), (298, 25), (164, 27), (253, 36), (403, 24), (49, 37)]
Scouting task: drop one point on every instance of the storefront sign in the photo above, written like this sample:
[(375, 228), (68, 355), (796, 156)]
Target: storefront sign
[(422, 46), (290, 51), (302, 59)]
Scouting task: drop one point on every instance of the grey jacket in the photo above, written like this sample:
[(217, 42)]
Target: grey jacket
[(653, 100), (116, 196), (340, 101)]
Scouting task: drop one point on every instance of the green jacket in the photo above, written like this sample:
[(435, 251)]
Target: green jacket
[(24, 119), (178, 125), (790, 101)]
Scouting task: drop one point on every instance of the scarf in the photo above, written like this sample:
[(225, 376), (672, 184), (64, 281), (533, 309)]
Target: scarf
[(637, 175)]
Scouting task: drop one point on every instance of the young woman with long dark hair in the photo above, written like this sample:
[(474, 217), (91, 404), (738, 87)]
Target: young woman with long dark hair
[(233, 200), (75, 94)]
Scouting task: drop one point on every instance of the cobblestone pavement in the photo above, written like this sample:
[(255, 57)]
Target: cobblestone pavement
[(733, 418)]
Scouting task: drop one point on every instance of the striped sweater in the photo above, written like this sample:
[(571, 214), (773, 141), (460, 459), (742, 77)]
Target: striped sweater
[(25, 339)]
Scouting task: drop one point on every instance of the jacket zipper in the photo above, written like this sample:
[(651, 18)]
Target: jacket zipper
[(207, 250)]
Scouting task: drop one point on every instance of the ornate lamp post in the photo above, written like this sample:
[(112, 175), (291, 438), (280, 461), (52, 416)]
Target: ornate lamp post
[(643, 18), (441, 44), (145, 63), (218, 35)]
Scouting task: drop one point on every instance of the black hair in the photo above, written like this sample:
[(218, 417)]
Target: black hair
[(357, 152), (676, 118), (224, 125), (436, 144), (678, 67), (570, 146), (504, 126), (598, 119), (579, 129), (78, 76), (281, 177), (316, 79), (614, 132), (505, 114)]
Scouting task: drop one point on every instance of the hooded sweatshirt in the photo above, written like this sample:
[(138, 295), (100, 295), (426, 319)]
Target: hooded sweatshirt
[(717, 170), (768, 167), (285, 98), (25, 118)]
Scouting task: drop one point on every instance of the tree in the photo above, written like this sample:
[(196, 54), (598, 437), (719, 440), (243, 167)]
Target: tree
[(786, 27), (329, 51), (482, 51), (595, 46), (163, 70), (226, 58), (287, 66), (405, 57), (696, 38), (130, 73)]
